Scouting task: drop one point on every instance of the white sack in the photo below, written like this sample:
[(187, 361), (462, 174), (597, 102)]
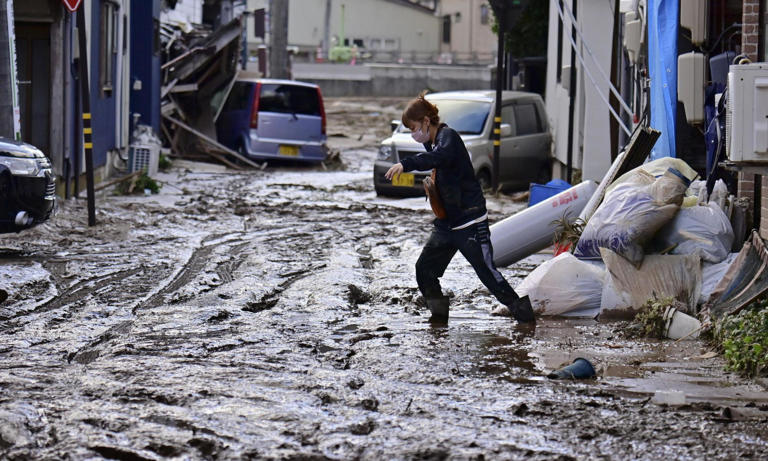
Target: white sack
[(660, 276), (564, 285), (630, 215), (702, 230)]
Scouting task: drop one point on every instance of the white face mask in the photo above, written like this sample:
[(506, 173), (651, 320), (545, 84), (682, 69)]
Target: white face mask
[(421, 135)]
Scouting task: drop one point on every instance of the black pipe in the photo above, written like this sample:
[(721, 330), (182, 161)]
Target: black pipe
[(572, 94)]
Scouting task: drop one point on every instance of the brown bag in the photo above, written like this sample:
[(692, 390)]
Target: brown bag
[(430, 187)]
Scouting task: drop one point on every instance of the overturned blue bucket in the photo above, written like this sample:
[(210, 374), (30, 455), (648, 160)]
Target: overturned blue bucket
[(581, 368)]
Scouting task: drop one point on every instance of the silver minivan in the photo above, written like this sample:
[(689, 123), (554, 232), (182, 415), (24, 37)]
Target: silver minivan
[(267, 119), (526, 143)]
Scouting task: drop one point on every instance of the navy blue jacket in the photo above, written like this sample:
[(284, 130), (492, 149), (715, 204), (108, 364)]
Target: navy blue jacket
[(455, 177)]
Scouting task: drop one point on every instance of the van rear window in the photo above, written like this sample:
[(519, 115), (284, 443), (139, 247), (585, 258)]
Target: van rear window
[(291, 99)]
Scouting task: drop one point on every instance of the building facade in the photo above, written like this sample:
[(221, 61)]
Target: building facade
[(401, 29), (122, 39)]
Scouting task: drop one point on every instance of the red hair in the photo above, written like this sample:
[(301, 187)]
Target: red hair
[(419, 108)]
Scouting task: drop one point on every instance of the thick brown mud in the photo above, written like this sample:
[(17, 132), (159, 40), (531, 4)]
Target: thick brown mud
[(274, 315)]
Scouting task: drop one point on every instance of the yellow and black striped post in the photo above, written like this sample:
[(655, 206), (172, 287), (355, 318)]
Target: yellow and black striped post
[(85, 95)]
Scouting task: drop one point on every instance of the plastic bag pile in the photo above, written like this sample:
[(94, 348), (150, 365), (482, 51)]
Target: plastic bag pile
[(656, 234)]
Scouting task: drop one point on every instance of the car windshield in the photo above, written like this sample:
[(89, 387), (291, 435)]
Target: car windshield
[(290, 99), (466, 117)]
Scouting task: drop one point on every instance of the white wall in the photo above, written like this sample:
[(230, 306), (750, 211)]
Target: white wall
[(468, 35), (591, 133)]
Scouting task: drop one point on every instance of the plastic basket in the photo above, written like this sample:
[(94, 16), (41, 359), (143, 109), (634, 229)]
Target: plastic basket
[(541, 192)]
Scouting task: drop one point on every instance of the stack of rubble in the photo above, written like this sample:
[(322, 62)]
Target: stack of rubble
[(654, 232), (199, 68)]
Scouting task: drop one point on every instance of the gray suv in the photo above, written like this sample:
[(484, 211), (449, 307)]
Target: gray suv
[(526, 144)]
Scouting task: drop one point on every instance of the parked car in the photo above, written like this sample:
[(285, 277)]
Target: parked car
[(267, 119), (27, 186), (526, 143)]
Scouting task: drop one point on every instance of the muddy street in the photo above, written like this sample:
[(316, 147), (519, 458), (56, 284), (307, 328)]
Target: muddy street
[(274, 315)]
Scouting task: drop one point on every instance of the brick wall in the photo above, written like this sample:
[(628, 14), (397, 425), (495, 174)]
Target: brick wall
[(750, 37)]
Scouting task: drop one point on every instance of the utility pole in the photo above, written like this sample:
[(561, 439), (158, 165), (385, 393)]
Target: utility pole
[(85, 101), (327, 29), (502, 19), (278, 56), (9, 95)]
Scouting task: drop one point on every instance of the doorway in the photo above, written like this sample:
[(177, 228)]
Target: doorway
[(33, 54)]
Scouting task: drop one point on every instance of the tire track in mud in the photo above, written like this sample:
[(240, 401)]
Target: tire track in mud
[(194, 266), (77, 291)]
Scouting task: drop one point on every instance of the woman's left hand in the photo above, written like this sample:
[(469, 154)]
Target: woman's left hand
[(395, 170)]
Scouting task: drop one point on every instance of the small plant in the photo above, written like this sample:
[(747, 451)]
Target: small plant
[(651, 317), (567, 231), (743, 339), (164, 163), (137, 184)]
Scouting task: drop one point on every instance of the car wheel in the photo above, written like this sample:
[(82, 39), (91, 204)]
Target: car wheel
[(484, 178)]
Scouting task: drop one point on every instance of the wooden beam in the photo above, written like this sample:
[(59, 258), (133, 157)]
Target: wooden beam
[(213, 142)]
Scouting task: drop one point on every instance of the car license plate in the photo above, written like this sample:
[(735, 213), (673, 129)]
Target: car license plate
[(404, 179), (291, 151)]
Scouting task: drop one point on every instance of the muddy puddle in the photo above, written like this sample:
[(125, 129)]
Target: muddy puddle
[(274, 315)]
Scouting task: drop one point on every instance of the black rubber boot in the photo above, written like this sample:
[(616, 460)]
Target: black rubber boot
[(521, 310), (439, 309)]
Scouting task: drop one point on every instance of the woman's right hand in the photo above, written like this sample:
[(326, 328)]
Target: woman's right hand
[(395, 170)]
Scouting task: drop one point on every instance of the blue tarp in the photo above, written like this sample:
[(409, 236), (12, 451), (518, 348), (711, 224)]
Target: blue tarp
[(663, 20)]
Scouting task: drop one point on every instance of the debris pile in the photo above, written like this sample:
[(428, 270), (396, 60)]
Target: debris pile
[(651, 236), (199, 68)]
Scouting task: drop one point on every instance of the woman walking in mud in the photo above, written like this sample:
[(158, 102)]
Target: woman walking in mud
[(462, 219)]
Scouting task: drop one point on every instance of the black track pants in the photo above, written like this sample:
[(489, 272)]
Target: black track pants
[(474, 242)]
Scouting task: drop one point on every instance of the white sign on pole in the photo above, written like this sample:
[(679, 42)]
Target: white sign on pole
[(14, 80)]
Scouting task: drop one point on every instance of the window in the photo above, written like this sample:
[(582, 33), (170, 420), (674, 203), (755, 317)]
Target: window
[(483, 14), (526, 120), (107, 46), (447, 28), (289, 99), (508, 115), (466, 117), (390, 44), (457, 18), (239, 97)]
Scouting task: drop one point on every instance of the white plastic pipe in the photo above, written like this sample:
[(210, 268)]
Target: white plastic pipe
[(532, 229)]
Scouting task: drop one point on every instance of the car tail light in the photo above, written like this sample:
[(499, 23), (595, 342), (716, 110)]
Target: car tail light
[(255, 107), (322, 109)]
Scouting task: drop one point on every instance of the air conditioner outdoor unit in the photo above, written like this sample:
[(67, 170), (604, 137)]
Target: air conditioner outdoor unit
[(747, 113), (144, 157)]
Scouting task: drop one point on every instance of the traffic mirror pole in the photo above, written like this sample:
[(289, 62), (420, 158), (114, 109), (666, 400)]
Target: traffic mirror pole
[(85, 95)]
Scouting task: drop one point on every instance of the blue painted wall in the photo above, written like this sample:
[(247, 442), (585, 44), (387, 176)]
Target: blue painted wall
[(102, 106), (145, 65)]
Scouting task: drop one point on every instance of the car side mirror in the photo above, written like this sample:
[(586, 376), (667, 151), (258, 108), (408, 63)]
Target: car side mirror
[(506, 130), (394, 124)]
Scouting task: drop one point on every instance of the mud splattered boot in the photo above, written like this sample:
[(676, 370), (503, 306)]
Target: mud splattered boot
[(521, 310), (439, 309)]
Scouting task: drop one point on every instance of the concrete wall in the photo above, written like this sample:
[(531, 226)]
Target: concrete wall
[(390, 79)]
